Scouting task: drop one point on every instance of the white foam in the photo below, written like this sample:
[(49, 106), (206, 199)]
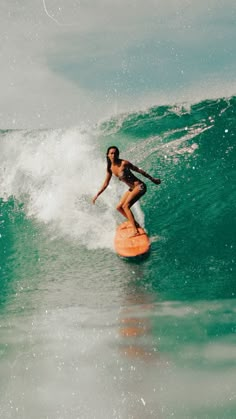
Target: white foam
[(56, 173)]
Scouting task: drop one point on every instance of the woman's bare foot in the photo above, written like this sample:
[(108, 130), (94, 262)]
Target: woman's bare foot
[(127, 225), (135, 233)]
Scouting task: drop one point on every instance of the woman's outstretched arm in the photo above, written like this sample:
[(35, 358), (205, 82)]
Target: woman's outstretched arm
[(104, 186), (157, 181)]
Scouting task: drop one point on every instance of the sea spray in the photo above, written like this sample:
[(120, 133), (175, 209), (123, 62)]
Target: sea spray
[(55, 174)]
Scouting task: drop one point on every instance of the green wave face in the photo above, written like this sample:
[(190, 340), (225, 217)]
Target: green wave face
[(49, 177)]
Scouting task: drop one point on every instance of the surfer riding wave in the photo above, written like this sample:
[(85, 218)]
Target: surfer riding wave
[(122, 169)]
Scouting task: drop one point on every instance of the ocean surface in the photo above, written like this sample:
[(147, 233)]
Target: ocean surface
[(86, 334)]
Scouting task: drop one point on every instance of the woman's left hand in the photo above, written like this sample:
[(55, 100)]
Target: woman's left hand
[(156, 181)]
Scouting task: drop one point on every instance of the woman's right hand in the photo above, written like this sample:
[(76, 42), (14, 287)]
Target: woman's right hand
[(94, 199)]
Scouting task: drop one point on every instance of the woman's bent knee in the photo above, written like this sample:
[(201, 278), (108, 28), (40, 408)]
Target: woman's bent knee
[(126, 206)]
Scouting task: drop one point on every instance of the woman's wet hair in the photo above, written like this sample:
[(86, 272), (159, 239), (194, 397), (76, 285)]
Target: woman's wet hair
[(117, 153)]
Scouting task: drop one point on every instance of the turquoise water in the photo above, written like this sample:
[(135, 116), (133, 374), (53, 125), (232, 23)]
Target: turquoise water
[(85, 334)]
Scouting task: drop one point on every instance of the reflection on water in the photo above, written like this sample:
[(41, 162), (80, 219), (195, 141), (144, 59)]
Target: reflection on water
[(146, 368), (135, 329)]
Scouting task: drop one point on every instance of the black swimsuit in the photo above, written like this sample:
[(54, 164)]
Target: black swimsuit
[(127, 176)]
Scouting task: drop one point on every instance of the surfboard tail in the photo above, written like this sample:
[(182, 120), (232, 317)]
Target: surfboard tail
[(128, 245)]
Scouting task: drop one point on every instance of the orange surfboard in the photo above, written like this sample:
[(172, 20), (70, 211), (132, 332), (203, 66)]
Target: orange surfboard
[(127, 245)]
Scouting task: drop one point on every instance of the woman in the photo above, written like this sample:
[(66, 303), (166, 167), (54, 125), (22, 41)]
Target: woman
[(122, 169)]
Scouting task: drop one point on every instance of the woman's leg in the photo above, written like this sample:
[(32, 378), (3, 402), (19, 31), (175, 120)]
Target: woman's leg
[(121, 203), (128, 201)]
